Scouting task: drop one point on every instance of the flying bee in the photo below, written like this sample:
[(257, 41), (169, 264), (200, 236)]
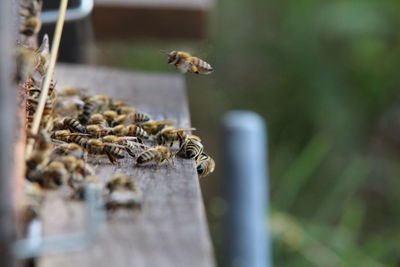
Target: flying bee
[(31, 14), (73, 125), (123, 193), (169, 135), (153, 127), (205, 165), (191, 148), (185, 62), (156, 155)]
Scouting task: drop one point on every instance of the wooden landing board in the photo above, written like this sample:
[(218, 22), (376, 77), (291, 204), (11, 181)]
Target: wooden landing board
[(166, 19), (171, 231)]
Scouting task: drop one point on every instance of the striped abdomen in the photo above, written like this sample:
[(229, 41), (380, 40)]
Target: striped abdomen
[(205, 165), (134, 130), (191, 149), (88, 109), (201, 67), (139, 117), (74, 125), (147, 156)]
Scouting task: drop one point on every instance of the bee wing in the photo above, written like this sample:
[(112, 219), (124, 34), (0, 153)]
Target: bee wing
[(184, 66)]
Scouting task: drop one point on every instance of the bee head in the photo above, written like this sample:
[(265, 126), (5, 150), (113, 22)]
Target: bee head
[(173, 57)]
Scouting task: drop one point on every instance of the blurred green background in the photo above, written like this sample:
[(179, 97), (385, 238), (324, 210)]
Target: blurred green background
[(324, 75)]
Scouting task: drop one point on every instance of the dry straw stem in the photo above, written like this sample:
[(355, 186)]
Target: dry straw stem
[(49, 74)]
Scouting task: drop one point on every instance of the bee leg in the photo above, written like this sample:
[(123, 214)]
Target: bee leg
[(194, 69), (111, 158), (130, 152)]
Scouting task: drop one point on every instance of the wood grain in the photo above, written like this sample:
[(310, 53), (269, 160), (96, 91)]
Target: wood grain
[(171, 230)]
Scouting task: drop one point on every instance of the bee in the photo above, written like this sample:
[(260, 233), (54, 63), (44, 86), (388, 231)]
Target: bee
[(191, 148), (120, 119), (68, 137), (73, 125), (153, 127), (53, 176), (185, 62), (139, 117), (27, 62), (31, 14), (43, 58), (123, 193), (69, 149), (125, 142), (97, 147), (110, 116), (205, 165), (80, 187), (169, 135), (97, 131), (98, 119), (73, 92), (41, 154), (92, 105), (119, 130), (31, 107), (156, 155), (125, 110), (137, 131)]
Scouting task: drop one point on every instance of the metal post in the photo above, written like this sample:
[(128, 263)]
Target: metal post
[(8, 102), (246, 239)]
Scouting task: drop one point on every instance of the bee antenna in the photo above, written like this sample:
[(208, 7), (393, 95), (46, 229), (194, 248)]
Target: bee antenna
[(164, 52)]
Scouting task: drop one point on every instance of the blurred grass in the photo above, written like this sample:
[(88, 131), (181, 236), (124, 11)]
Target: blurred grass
[(324, 74)]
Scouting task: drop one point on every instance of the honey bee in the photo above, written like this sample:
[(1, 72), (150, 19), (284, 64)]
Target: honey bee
[(43, 57), (126, 142), (191, 148), (123, 193), (31, 107), (120, 119), (125, 110), (97, 147), (140, 117), (27, 62), (98, 119), (205, 165), (110, 116), (53, 176), (31, 14), (69, 149), (73, 92), (41, 153), (68, 137), (79, 188), (185, 62), (169, 135), (119, 130), (153, 127), (92, 105), (73, 125), (97, 131), (137, 131), (156, 155)]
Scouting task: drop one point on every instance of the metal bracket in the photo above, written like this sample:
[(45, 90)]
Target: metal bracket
[(73, 14), (34, 245)]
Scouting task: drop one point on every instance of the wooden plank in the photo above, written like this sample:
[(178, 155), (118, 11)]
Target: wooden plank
[(172, 229), (166, 19)]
